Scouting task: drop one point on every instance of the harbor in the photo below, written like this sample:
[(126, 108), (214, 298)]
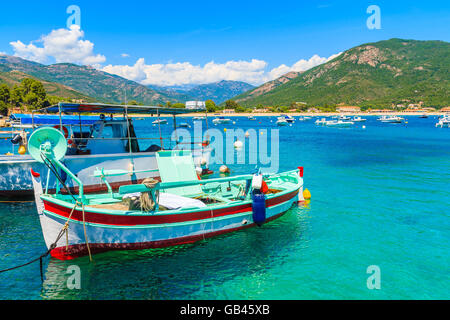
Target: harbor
[(288, 247)]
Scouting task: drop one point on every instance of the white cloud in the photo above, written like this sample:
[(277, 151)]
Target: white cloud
[(67, 45), (62, 45), (169, 74)]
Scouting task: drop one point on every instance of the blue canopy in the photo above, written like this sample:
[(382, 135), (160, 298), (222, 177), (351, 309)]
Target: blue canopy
[(40, 119)]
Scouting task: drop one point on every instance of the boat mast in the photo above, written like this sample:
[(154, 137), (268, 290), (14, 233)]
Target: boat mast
[(160, 134), (128, 124)]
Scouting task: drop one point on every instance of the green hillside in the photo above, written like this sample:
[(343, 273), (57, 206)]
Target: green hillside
[(12, 78), (377, 74), (91, 82)]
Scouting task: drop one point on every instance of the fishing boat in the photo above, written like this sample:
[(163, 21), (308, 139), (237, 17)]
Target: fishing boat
[(177, 209), (97, 141), (221, 120), (391, 119), (358, 119), (444, 122), (160, 121), (423, 116)]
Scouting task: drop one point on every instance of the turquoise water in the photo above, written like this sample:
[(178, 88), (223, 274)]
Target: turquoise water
[(380, 196)]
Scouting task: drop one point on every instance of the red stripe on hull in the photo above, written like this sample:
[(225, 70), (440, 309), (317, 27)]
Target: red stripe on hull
[(80, 250), (128, 220)]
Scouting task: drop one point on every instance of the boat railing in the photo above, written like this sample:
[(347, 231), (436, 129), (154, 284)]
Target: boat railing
[(170, 185)]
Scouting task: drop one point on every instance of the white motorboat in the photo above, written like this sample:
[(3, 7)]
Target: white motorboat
[(391, 119), (221, 120), (184, 125), (321, 122), (288, 118), (339, 123), (344, 118), (358, 119), (281, 122), (160, 121), (251, 118), (444, 122)]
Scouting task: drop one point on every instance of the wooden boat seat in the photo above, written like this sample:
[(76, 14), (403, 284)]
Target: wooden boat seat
[(178, 166)]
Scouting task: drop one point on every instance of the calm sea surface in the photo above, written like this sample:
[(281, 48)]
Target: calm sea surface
[(380, 196)]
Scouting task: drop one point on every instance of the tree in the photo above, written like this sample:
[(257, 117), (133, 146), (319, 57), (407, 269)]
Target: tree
[(25, 86), (210, 106), (38, 89), (178, 105), (3, 108), (16, 96), (231, 104), (4, 94)]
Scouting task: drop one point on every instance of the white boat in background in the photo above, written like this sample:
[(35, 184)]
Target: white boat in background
[(184, 125), (251, 118), (221, 120), (281, 122), (344, 118), (199, 118), (423, 116), (358, 119), (160, 121), (288, 118), (321, 122), (339, 123), (444, 122), (391, 119)]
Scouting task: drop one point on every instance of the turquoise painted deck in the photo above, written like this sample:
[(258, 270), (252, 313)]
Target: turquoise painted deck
[(380, 196)]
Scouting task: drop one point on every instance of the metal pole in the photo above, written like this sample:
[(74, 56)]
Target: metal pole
[(160, 135), (60, 118), (175, 128), (128, 129)]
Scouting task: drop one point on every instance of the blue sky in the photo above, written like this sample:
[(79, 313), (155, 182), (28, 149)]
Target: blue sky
[(185, 36)]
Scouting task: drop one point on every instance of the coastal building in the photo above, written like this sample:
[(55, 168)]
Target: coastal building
[(260, 110), (445, 109), (379, 110), (195, 105), (348, 109)]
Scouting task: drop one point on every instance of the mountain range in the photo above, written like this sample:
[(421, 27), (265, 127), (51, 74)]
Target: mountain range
[(217, 91), (383, 73), (87, 83)]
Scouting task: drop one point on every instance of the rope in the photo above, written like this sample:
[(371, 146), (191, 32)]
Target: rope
[(64, 230), (52, 246)]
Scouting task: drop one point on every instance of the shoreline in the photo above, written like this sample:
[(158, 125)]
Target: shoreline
[(295, 114)]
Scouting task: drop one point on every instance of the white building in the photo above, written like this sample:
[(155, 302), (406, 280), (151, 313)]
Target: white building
[(195, 105)]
